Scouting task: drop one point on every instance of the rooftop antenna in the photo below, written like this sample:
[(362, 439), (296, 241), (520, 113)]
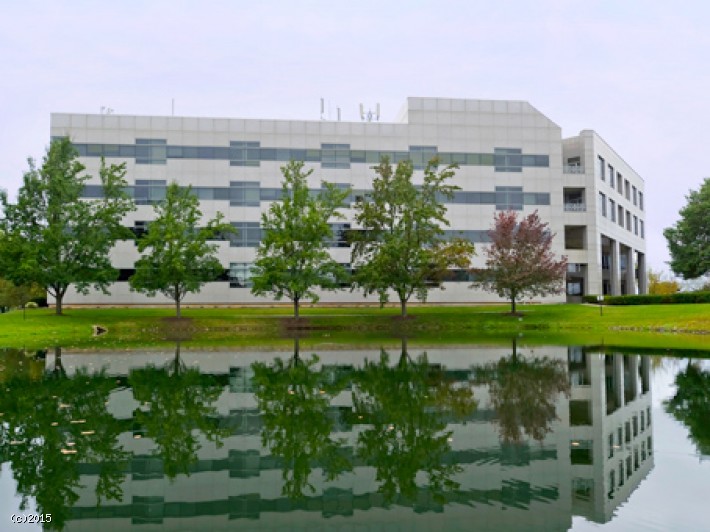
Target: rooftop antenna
[(338, 113), (370, 115), (106, 110), (322, 109)]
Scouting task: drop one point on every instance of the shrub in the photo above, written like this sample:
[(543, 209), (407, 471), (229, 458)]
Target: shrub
[(652, 299)]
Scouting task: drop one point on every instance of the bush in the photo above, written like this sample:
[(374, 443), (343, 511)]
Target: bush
[(41, 301), (649, 299), (31, 304)]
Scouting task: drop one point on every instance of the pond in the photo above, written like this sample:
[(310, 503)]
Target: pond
[(473, 437)]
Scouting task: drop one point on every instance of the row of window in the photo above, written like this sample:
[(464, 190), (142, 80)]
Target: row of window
[(617, 214), (249, 234), (617, 182), (240, 275), (251, 153), (628, 431), (251, 194), (627, 467)]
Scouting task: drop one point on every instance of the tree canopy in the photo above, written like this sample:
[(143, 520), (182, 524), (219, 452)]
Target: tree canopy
[(292, 259), (55, 239), (691, 404), (519, 260), (401, 246), (176, 256), (689, 239)]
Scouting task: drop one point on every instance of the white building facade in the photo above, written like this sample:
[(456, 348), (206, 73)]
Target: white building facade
[(510, 156)]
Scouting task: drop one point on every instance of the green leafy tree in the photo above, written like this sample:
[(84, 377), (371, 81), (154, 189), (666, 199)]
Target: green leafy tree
[(176, 256), (691, 405), (401, 245), (294, 397), (55, 239), (689, 239), (524, 392), (519, 260), (293, 258), (178, 407), (404, 406), (12, 295), (53, 425)]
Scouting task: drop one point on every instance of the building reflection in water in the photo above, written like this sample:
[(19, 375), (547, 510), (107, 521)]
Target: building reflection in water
[(496, 437)]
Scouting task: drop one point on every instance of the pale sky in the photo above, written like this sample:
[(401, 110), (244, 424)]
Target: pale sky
[(635, 71)]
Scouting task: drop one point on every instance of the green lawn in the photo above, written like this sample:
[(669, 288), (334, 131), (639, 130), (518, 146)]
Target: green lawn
[(659, 326)]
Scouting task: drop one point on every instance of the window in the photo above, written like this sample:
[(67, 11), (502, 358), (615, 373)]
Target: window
[(248, 235), (628, 220), (620, 212), (619, 183), (602, 204), (339, 238), (335, 155), (508, 159), (509, 198), (244, 153), (641, 229), (636, 225), (244, 193), (600, 167), (149, 191), (240, 275), (640, 200), (151, 151), (627, 189), (421, 155), (635, 194), (612, 209), (611, 176)]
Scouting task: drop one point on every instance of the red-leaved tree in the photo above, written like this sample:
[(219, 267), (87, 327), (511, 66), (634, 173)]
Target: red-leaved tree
[(519, 261)]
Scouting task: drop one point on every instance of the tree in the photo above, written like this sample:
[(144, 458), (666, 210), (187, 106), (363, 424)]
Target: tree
[(54, 426), (523, 392), (294, 397), (292, 258), (519, 261), (401, 245), (404, 408), (658, 286), (54, 239), (12, 295), (691, 404), (689, 239), (176, 256), (178, 412)]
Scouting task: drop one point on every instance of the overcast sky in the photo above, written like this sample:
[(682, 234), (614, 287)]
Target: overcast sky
[(634, 71)]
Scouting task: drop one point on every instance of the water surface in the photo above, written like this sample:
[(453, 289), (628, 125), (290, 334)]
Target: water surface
[(476, 437)]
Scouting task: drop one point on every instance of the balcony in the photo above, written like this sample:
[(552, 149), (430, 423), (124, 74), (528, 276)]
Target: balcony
[(573, 169), (575, 207)]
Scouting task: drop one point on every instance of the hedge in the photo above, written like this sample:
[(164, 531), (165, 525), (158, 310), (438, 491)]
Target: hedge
[(649, 299)]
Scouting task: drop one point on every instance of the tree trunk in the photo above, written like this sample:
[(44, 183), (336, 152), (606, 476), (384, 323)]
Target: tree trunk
[(295, 308), (512, 304), (403, 306), (58, 297), (176, 295)]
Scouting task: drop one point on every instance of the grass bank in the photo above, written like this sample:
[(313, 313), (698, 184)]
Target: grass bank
[(662, 326)]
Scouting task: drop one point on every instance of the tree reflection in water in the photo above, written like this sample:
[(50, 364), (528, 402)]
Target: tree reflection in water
[(177, 406), (691, 404), (52, 425), (405, 406), (294, 397), (523, 393)]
